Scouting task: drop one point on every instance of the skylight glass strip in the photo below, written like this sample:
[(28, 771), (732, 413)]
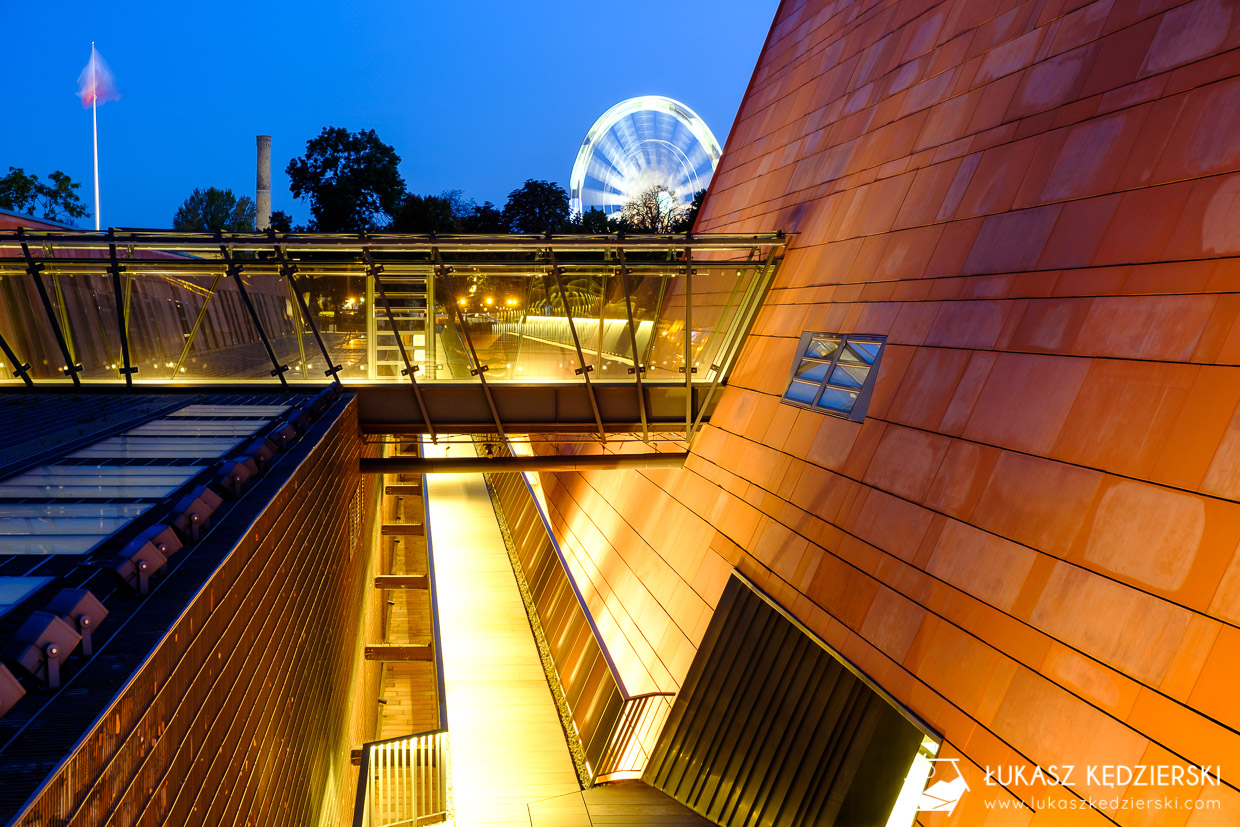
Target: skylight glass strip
[(198, 427), (152, 447)]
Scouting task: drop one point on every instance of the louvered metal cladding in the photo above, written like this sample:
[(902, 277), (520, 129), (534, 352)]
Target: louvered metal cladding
[(772, 728)]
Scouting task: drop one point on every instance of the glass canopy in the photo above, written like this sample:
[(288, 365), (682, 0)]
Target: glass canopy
[(150, 307)]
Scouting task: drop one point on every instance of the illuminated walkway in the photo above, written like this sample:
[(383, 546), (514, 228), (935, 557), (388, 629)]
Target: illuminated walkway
[(507, 745)]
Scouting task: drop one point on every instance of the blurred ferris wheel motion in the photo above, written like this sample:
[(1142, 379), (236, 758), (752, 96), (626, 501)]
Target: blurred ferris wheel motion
[(638, 144)]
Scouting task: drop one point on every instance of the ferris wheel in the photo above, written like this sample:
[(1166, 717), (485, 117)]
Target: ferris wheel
[(638, 144)]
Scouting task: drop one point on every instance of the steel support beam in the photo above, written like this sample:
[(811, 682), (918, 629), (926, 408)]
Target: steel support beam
[(35, 269), (20, 368), (477, 368), (289, 271), (583, 370), (122, 322), (398, 652), (471, 465), (402, 581), (458, 407), (689, 368), (234, 271)]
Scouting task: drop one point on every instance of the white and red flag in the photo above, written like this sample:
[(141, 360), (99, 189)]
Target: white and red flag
[(95, 84)]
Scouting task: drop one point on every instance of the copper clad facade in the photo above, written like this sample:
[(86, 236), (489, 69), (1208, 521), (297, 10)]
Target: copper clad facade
[(241, 714), (1031, 539)]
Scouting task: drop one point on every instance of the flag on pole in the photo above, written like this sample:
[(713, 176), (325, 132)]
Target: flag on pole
[(95, 84)]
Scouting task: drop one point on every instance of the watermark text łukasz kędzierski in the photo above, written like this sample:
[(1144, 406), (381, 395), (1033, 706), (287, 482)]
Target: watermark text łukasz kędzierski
[(1105, 775)]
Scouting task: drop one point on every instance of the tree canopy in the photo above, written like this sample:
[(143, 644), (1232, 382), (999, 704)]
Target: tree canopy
[(537, 207), (215, 209), (654, 210), (351, 180), (281, 222), (484, 218), (56, 201), (594, 222), (691, 213)]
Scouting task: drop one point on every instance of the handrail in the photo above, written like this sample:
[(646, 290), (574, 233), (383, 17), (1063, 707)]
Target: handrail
[(633, 739), (403, 780), (616, 731)]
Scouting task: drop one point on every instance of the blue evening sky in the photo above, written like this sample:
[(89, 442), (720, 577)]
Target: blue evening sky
[(477, 96)]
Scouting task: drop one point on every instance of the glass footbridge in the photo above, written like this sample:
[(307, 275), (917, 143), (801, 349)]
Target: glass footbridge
[(592, 335)]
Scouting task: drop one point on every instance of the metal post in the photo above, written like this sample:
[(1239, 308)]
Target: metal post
[(34, 268), (736, 337), (289, 271), (584, 370), (122, 329), (372, 323), (432, 343), (476, 369), (689, 368), (602, 304), (638, 368), (718, 330), (410, 369), (234, 270)]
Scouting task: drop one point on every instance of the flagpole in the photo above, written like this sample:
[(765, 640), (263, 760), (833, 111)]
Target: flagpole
[(94, 117)]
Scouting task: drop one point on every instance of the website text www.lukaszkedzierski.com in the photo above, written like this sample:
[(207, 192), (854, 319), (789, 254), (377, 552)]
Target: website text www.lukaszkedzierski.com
[(1164, 804)]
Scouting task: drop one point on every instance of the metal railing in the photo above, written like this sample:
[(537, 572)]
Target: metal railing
[(617, 731), (633, 739), (403, 781)]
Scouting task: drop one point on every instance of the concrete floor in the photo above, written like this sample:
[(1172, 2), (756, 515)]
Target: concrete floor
[(510, 764), (624, 804), (507, 746)]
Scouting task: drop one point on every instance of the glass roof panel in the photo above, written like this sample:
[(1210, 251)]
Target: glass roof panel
[(230, 410), (98, 481), (72, 511), (145, 447), (14, 590), (198, 427), (50, 543)]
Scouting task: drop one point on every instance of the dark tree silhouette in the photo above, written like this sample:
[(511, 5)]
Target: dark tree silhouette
[(57, 201), (690, 217), (281, 222), (351, 180), (484, 218), (215, 209), (537, 207)]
